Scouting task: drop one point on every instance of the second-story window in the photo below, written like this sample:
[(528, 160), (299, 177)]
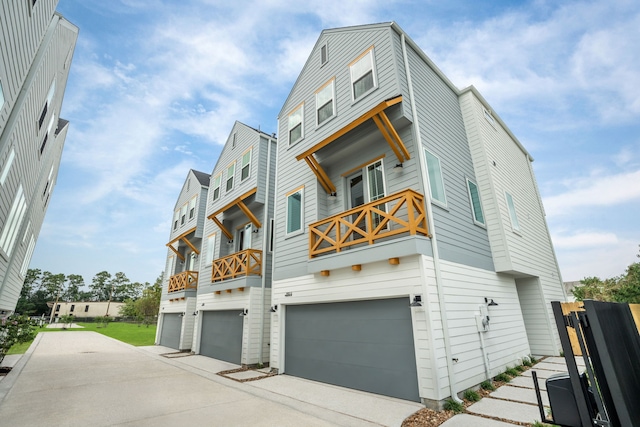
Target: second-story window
[(47, 103), (295, 210), (476, 207), (183, 214), (296, 126), (435, 178), (176, 218), (515, 225), (246, 165), (325, 102), (211, 244), (216, 187), (363, 75), (7, 166), (231, 170)]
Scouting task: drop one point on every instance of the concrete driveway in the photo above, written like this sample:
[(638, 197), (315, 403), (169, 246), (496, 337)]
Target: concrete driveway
[(84, 378)]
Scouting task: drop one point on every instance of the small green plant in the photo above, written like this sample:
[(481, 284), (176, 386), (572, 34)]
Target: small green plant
[(533, 360), (15, 329), (471, 395), (452, 405), (66, 321), (520, 368), (487, 385), (102, 321), (503, 378), (527, 362), (513, 372)]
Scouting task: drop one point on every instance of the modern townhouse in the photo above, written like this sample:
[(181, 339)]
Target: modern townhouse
[(411, 252), (229, 315), (36, 48), (178, 300)]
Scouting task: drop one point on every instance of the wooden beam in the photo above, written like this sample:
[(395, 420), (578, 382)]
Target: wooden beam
[(394, 134), (356, 267), (193, 248), (322, 176), (388, 138), (394, 261), (175, 251), (186, 233), (325, 273), (234, 202), (354, 124), (249, 214), (223, 228)]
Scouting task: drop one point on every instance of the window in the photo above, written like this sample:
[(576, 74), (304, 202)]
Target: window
[(246, 165), (183, 214), (211, 244), (48, 185), (46, 136), (47, 103), (7, 167), (435, 178), (192, 207), (233, 141), (294, 211), (86, 308), (515, 226), (363, 78), (73, 306), (325, 102), (231, 170), (12, 226), (271, 233), (216, 187), (58, 307), (1, 95), (489, 117), (323, 54), (176, 217), (296, 127), (474, 198)]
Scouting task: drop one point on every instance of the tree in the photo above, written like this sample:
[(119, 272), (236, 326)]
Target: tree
[(101, 286), (146, 308), (74, 283), (624, 288), (15, 329), (25, 304)]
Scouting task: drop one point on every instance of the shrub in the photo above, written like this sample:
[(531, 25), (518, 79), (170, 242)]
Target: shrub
[(526, 362), (512, 372), (471, 395), (503, 377), (15, 329), (487, 385), (452, 405), (520, 368)]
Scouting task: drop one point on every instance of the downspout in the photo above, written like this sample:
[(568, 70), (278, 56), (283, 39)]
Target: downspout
[(265, 242), (434, 242)]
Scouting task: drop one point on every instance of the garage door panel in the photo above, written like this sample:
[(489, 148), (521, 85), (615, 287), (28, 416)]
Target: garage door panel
[(222, 335), (366, 345), (171, 328)]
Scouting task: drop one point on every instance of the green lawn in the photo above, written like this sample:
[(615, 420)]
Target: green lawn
[(125, 332)]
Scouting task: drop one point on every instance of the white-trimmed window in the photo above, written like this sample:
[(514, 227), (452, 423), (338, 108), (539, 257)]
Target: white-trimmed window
[(324, 54), (325, 102), (47, 103), (183, 214), (176, 218), (515, 226), (12, 226), (1, 95), (435, 178), (46, 135), (216, 186), (7, 166), (295, 209), (49, 185), (363, 74), (296, 124), (489, 117), (474, 199), (231, 170), (192, 207), (211, 245), (245, 170)]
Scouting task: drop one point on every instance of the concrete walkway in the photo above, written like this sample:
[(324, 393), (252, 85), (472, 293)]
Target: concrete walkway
[(84, 378), (515, 401)]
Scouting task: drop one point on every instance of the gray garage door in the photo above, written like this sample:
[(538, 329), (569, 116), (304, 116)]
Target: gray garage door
[(222, 335), (171, 325), (365, 345)]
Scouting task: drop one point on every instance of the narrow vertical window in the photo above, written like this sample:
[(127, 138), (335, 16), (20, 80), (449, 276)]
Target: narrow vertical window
[(294, 211), (86, 308), (7, 166), (296, 127), (435, 178), (183, 214), (233, 141), (192, 207), (323, 55), (271, 234), (246, 165), (325, 102), (231, 170), (216, 187), (512, 212), (211, 244), (363, 77), (176, 217), (12, 225), (1, 96), (474, 198)]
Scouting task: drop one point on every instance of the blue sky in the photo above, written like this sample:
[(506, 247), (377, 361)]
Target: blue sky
[(154, 91)]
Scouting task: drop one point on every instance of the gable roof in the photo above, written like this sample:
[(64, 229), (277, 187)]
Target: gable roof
[(203, 178)]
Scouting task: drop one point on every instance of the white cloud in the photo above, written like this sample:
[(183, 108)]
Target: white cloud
[(595, 190), (584, 239), (604, 262)]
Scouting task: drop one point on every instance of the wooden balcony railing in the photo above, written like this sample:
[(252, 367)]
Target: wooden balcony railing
[(183, 281), (400, 213), (243, 263)]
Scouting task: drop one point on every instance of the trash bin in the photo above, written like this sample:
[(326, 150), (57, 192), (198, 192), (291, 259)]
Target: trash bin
[(564, 408)]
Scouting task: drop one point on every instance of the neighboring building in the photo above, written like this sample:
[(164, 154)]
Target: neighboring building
[(411, 255), (568, 289), (178, 301), (227, 252), (36, 47), (86, 309)]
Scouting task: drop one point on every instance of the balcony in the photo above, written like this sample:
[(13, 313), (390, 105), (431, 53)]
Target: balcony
[(183, 281), (400, 214), (243, 263)]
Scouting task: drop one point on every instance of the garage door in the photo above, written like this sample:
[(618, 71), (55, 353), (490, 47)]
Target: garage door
[(171, 326), (222, 335), (365, 345)]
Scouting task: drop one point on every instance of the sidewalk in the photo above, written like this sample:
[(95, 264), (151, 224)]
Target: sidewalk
[(513, 402)]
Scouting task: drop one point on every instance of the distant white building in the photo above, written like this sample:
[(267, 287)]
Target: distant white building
[(86, 309), (36, 48)]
